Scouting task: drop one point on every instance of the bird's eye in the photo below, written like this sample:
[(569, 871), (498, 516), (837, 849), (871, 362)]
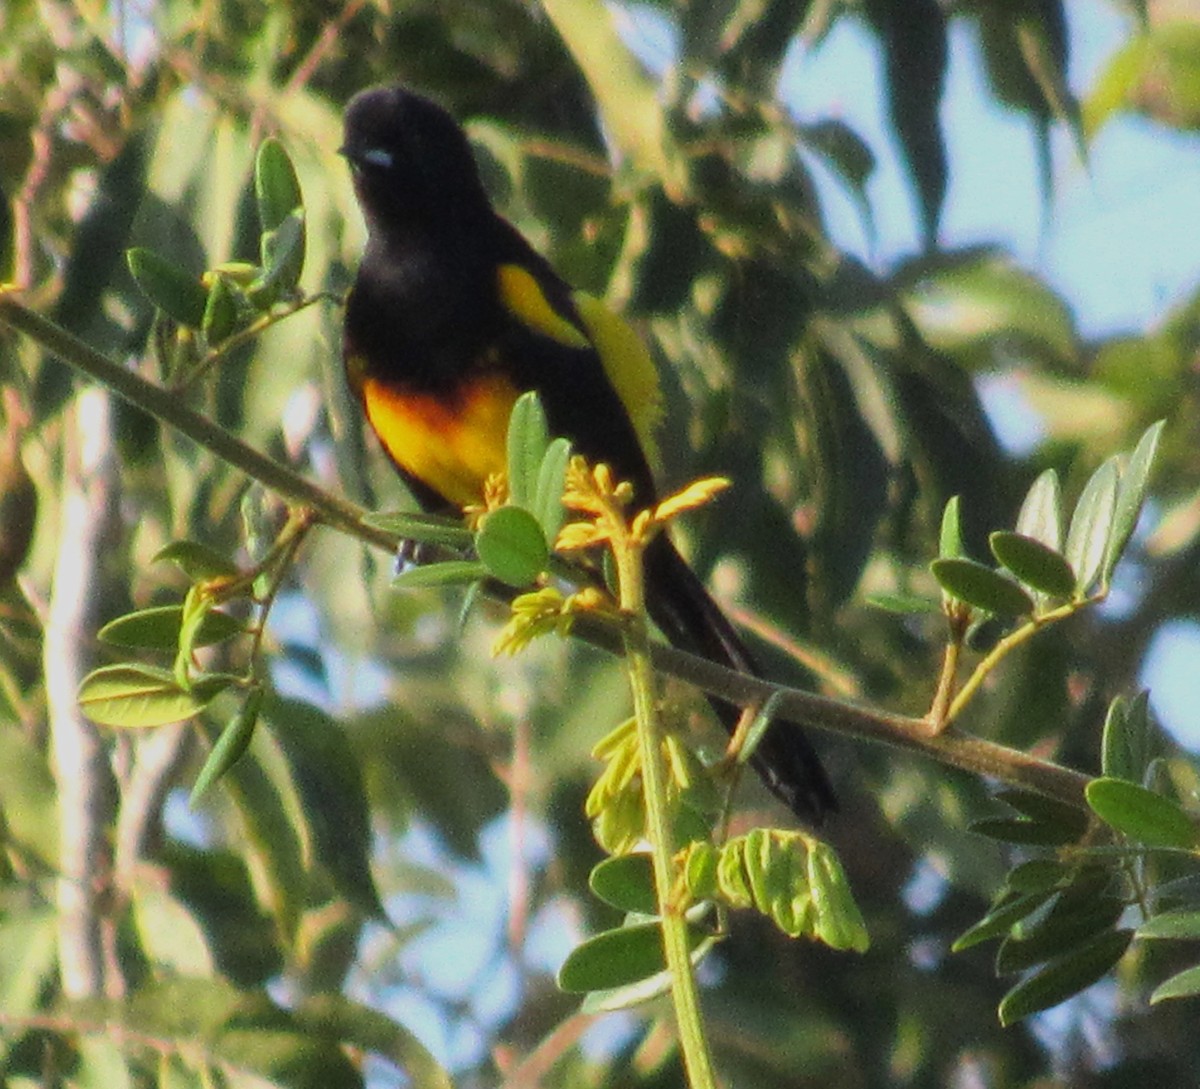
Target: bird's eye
[(377, 156)]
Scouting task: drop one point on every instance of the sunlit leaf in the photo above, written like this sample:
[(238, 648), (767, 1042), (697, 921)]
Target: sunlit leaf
[(1141, 814), (626, 882), (1033, 563), (1183, 984), (981, 587), (512, 547), (138, 697), (1092, 526)]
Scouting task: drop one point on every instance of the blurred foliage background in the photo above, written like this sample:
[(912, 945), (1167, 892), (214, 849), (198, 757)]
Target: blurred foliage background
[(241, 940)]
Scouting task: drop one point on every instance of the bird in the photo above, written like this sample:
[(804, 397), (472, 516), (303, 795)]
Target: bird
[(452, 315)]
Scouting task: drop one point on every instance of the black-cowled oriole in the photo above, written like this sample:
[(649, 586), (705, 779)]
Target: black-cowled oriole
[(453, 315)]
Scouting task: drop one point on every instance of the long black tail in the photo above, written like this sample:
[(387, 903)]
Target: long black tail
[(679, 604)]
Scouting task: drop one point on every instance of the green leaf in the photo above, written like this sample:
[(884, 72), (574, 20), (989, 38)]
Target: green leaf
[(1177, 925), (1092, 525), (1126, 738), (232, 743), (137, 697), (1064, 976), (175, 292), (1184, 984), (1041, 512), (1131, 495), (423, 528), (276, 187), (1157, 74), (762, 721), (839, 923), (552, 474), (528, 438), (1033, 563), (902, 604), (1036, 875), (157, 628), (328, 779), (447, 573), (197, 561), (626, 882), (1024, 832), (617, 958), (370, 1031), (282, 250), (950, 541), (220, 311), (1073, 820), (700, 870), (1000, 919), (512, 547), (1066, 924), (1141, 814), (981, 587)]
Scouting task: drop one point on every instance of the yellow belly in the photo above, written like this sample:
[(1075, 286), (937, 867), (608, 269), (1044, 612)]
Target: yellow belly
[(450, 443)]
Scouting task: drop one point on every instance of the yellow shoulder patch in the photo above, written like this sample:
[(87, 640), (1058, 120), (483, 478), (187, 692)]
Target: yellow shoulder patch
[(522, 295), (629, 367)]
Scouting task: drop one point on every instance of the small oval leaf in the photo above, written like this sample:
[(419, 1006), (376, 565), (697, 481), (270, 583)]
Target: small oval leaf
[(175, 292), (839, 923), (626, 882), (1000, 920), (1141, 814), (422, 528), (1033, 563), (552, 474), (512, 547), (981, 587), (617, 958), (950, 541)]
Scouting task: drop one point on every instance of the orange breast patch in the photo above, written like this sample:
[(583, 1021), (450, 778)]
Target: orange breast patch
[(450, 443)]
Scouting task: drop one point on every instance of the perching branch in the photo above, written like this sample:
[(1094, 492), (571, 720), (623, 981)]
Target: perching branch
[(951, 747)]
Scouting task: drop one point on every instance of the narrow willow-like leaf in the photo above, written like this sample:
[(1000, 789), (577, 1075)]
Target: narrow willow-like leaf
[(547, 502), (230, 746), (950, 541), (1177, 925), (1131, 495), (1064, 976), (1092, 526), (450, 573), (528, 438), (1000, 919), (425, 528), (1041, 512)]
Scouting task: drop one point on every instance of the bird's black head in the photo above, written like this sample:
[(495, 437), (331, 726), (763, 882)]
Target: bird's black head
[(412, 163)]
